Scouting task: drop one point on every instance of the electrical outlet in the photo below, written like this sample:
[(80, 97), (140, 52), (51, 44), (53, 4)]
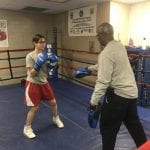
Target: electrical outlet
[(91, 46)]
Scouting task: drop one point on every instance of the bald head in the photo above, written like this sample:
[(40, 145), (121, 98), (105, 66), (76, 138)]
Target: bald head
[(106, 28), (105, 33)]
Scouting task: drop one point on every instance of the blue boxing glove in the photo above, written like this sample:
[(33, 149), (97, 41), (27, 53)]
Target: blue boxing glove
[(82, 72), (42, 57), (52, 58), (93, 115), (52, 61)]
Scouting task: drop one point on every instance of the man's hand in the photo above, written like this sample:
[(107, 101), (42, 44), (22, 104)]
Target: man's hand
[(93, 115)]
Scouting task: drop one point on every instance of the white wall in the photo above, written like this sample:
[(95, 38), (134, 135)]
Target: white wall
[(139, 23), (131, 21), (119, 18)]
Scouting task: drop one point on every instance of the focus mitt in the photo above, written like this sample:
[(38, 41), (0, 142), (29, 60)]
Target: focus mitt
[(93, 115), (82, 72)]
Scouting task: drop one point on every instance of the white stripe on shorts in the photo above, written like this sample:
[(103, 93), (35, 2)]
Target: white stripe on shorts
[(28, 100)]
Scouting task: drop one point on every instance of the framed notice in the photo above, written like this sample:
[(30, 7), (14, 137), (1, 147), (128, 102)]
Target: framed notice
[(3, 33), (82, 21)]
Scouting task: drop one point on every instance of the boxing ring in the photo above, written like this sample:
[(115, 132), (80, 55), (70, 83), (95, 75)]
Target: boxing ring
[(73, 98)]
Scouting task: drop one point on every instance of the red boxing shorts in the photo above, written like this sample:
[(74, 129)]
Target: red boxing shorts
[(35, 93)]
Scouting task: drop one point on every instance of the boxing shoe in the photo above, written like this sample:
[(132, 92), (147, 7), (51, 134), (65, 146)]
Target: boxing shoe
[(58, 122), (28, 132)]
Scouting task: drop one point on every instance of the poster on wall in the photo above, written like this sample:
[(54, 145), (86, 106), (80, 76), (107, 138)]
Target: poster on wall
[(3, 33), (82, 21)]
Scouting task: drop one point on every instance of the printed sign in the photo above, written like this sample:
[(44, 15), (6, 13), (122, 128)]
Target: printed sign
[(82, 21), (3, 34)]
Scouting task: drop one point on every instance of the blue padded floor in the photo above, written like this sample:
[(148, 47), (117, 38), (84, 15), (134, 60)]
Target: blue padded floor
[(72, 102)]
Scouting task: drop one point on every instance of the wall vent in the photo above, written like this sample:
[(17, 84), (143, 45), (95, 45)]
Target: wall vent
[(58, 1), (34, 9)]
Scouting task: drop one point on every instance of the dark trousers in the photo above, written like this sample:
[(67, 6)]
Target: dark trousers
[(116, 110)]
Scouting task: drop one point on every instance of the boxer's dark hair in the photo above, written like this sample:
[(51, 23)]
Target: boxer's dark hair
[(37, 37)]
